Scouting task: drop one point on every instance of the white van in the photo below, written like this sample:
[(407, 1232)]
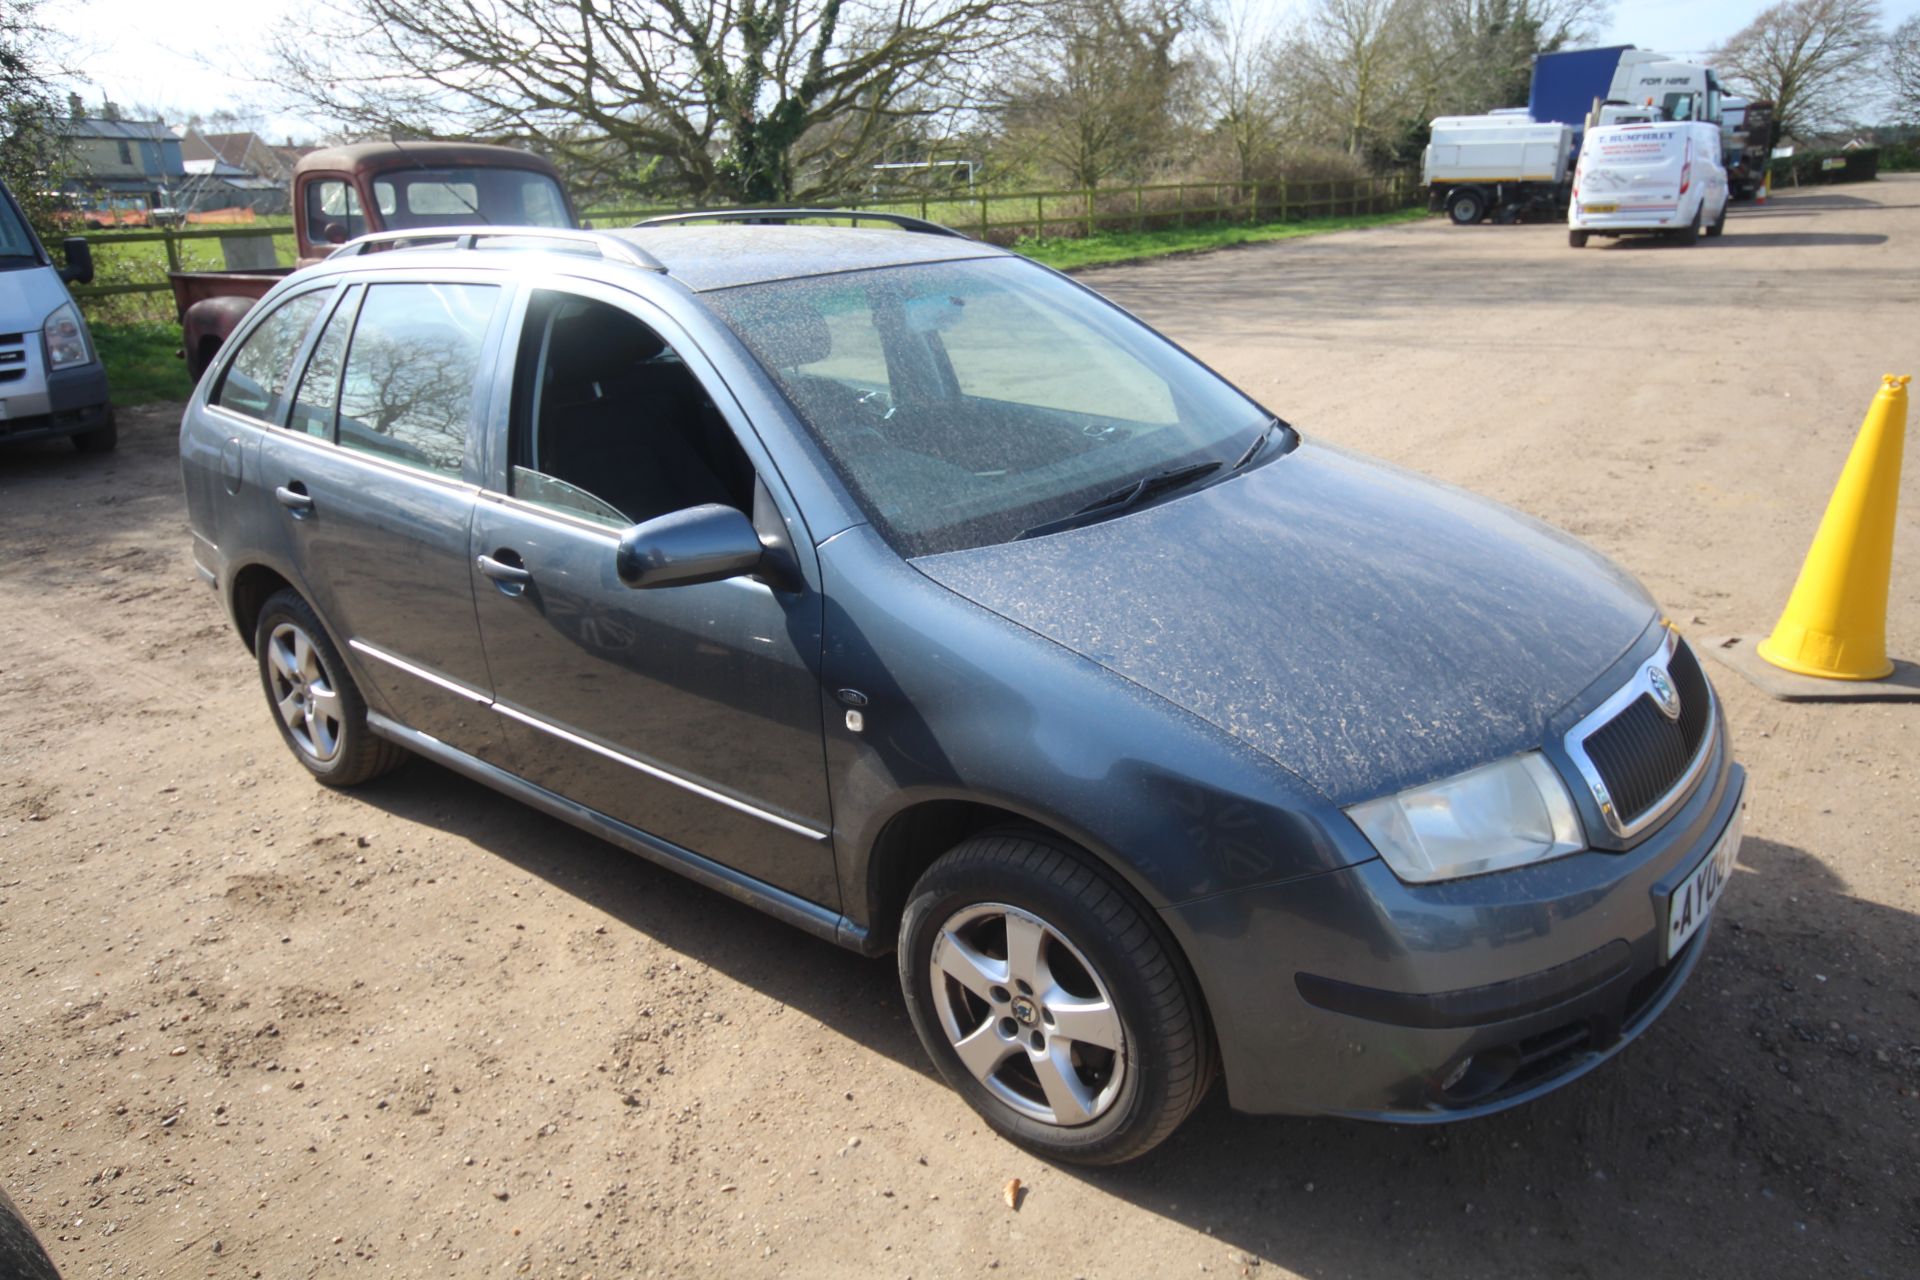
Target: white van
[(1649, 179), (51, 380)]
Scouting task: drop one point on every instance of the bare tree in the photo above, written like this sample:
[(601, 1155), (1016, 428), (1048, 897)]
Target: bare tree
[(1355, 60), (1474, 55), (1811, 57), (1243, 92), (33, 152), (1903, 68), (1097, 94), (754, 100)]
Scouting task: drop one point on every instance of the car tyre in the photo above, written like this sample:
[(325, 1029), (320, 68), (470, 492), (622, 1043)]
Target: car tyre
[(100, 439), (1577, 239), (1051, 1000), (1466, 207), (1692, 234), (315, 703), (1720, 223)]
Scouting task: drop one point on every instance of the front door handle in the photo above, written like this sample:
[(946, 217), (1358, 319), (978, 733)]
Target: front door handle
[(502, 572), (295, 498)]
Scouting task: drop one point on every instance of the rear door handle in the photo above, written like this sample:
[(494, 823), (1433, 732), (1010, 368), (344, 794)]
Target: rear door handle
[(502, 572), (295, 498)]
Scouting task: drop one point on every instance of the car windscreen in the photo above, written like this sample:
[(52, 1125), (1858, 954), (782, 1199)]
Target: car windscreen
[(964, 403), (464, 197), (17, 248)]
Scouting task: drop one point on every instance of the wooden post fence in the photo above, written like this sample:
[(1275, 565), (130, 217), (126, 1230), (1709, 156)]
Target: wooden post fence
[(1162, 204)]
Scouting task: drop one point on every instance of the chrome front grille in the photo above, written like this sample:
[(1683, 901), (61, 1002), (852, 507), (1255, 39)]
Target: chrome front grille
[(1641, 750)]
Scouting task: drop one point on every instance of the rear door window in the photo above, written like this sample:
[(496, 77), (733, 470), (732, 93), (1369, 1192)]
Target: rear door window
[(407, 391), (317, 402), (255, 383)]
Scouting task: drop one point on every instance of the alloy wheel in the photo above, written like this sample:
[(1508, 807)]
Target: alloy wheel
[(1027, 1015), (303, 692)]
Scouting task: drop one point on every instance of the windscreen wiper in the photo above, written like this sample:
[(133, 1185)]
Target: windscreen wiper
[(1126, 497), (1253, 450)]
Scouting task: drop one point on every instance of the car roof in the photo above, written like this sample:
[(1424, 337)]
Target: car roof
[(700, 258), (370, 158), (708, 256)]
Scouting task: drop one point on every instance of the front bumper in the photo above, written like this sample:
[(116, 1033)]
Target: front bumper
[(71, 401), (1351, 993)]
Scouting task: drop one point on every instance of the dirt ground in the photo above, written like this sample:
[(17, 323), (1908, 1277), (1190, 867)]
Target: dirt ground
[(249, 1027)]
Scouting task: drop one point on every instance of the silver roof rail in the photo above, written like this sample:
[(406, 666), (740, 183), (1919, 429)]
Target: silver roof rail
[(903, 221), (607, 246)]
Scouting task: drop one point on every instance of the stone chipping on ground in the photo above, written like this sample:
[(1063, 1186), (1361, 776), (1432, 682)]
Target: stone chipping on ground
[(250, 1027)]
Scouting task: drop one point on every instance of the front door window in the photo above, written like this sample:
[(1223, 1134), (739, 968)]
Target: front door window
[(610, 425)]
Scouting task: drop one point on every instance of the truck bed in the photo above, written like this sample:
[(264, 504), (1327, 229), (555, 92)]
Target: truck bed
[(1466, 150), (190, 287)]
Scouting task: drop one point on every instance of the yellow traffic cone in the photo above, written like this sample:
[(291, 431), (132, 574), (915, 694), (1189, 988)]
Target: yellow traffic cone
[(1835, 624)]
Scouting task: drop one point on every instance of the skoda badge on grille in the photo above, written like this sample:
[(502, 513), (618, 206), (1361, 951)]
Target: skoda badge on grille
[(1665, 696)]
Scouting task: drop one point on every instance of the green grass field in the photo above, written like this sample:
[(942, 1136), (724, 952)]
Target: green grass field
[(140, 360), (1108, 247), (138, 336)]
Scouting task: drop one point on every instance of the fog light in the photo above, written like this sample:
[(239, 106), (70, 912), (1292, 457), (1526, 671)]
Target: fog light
[(1456, 1075)]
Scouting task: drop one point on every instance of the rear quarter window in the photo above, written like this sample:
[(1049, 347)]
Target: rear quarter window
[(256, 381)]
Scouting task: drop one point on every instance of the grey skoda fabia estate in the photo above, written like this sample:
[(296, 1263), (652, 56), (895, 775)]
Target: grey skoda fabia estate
[(919, 596)]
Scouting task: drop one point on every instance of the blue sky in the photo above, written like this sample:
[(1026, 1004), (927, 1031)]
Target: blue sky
[(1695, 26)]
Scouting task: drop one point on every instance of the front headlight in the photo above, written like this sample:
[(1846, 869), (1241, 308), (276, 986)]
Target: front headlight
[(66, 338), (1487, 819)]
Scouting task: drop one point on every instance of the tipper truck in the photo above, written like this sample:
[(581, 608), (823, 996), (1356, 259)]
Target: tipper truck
[(1506, 166)]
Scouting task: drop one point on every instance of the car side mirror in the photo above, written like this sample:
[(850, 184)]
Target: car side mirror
[(79, 254), (700, 544)]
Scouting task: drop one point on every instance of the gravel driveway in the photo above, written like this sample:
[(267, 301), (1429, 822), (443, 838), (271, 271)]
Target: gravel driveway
[(249, 1027)]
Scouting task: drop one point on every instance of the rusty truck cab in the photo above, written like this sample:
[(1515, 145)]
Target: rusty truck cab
[(343, 192)]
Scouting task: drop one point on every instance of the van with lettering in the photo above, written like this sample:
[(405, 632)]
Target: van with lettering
[(1662, 179)]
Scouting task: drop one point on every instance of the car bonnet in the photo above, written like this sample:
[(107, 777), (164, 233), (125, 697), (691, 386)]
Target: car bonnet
[(1365, 627)]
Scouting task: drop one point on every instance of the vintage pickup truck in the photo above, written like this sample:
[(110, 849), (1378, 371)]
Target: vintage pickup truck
[(343, 192)]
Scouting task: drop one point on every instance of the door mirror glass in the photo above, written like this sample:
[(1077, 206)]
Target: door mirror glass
[(700, 544)]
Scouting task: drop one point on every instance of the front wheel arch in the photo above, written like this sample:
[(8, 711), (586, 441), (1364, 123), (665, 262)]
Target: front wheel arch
[(915, 836), (1170, 1053)]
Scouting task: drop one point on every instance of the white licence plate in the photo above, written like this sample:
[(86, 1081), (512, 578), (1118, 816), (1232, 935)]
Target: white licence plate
[(1693, 901)]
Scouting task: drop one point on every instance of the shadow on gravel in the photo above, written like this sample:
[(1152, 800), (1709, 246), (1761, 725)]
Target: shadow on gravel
[(1737, 237), (1766, 1125), (1793, 199), (858, 997)]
